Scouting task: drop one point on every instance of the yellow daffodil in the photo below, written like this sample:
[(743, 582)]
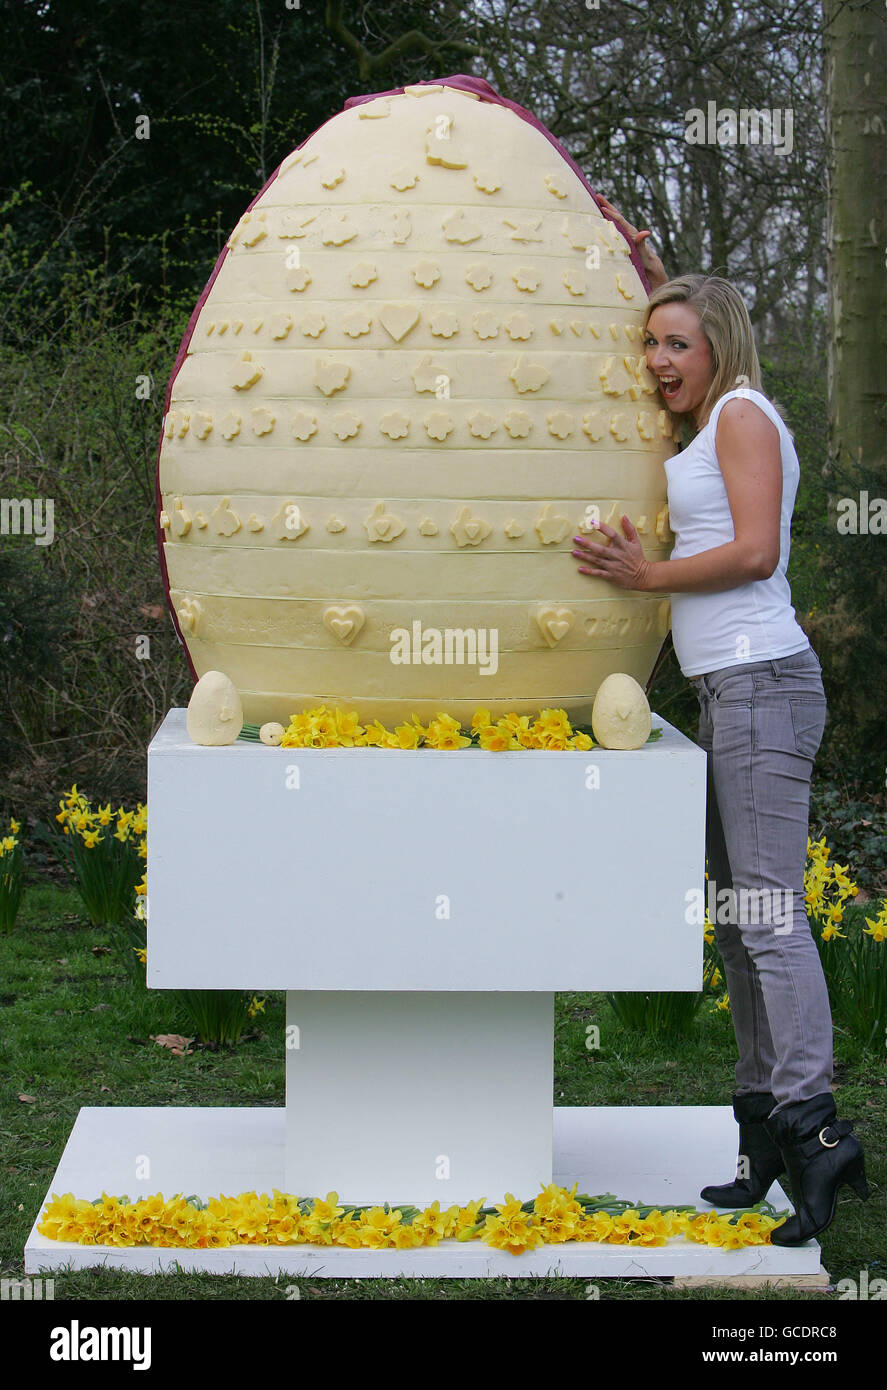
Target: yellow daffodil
[(519, 724), (407, 735), (553, 728), (435, 1225), (497, 738), (348, 730), (553, 1200), (444, 732), (513, 1229), (329, 1209), (14, 826), (467, 1216), (376, 1225), (408, 1237), (597, 1227), (285, 1230)]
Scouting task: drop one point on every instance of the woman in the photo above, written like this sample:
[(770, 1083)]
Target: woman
[(762, 712)]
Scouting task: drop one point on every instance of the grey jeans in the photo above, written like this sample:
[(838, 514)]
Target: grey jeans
[(761, 724)]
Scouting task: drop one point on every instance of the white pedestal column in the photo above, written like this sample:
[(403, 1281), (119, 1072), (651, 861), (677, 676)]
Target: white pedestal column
[(418, 1097)]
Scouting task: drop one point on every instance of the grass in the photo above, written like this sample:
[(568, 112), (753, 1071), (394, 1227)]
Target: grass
[(75, 1032)]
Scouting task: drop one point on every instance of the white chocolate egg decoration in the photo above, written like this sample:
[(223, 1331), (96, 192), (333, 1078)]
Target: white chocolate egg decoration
[(215, 712), (417, 371), (620, 716), (272, 734)]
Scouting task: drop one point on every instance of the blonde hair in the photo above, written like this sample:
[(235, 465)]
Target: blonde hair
[(724, 320)]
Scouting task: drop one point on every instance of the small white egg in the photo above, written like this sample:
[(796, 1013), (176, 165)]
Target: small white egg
[(215, 712), (620, 717)]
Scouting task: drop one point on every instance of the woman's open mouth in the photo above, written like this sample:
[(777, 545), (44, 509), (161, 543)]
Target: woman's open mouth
[(670, 386)]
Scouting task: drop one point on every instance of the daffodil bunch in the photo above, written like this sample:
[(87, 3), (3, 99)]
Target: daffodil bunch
[(217, 1015), (862, 979), (12, 876), (826, 889), (555, 1216), (104, 853), (712, 977), (130, 933), (338, 728)]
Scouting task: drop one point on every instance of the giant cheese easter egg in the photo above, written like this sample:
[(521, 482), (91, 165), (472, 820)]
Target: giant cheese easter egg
[(416, 371)]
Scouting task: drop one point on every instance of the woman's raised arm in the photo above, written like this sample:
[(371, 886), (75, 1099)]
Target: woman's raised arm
[(656, 273)]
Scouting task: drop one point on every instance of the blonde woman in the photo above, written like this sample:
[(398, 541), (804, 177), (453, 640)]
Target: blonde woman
[(731, 493)]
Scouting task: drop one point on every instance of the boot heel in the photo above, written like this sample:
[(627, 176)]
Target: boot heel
[(855, 1178)]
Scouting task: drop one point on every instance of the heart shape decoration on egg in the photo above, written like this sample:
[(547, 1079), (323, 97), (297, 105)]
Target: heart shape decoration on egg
[(344, 623), (398, 319), (555, 623)]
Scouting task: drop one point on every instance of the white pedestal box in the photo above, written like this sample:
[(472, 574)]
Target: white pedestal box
[(379, 869), (420, 908)]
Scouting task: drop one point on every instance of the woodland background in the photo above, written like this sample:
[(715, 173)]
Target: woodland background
[(106, 241)]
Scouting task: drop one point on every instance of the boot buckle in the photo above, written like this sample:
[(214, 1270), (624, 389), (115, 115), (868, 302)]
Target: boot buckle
[(825, 1141)]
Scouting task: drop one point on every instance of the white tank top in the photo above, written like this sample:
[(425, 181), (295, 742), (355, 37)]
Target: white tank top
[(754, 621)]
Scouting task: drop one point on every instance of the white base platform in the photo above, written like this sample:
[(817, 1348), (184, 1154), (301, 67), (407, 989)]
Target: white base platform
[(654, 1154)]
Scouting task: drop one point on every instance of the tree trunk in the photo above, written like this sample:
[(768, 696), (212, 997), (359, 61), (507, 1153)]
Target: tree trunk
[(855, 57)]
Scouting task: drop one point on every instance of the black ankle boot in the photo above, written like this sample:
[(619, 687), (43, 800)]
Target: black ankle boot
[(820, 1154), (763, 1159)]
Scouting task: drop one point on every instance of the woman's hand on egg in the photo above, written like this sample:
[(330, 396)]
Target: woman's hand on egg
[(622, 562), (656, 272)]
